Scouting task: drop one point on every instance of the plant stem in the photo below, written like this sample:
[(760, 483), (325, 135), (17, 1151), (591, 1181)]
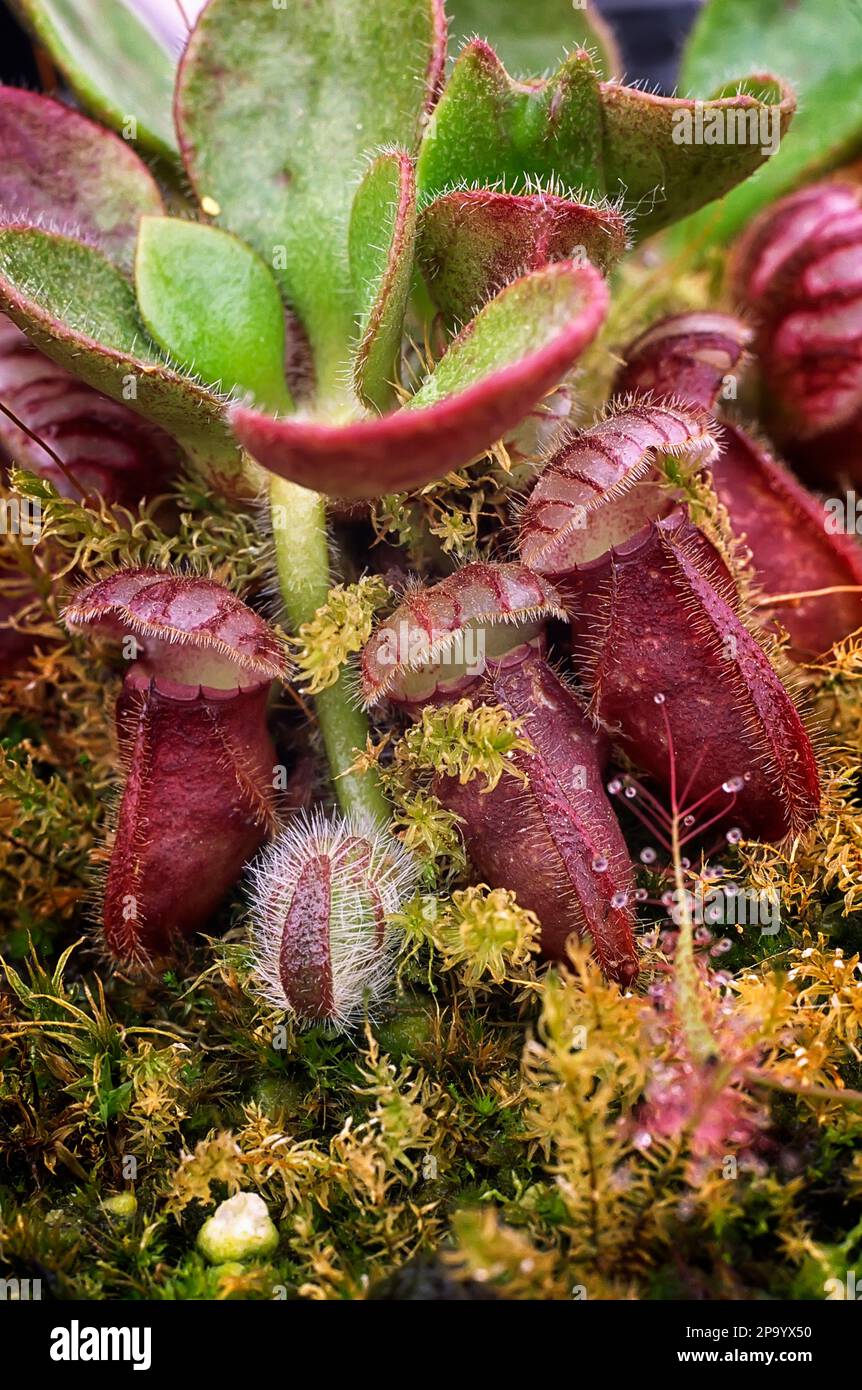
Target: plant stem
[(697, 1035), (302, 562), (701, 1043), (793, 1088), (301, 551)]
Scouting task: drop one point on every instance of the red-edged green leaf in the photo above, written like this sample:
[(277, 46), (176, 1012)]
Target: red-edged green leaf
[(529, 37), (382, 240), (211, 304), (472, 243), (275, 108), (596, 136), (114, 64), (488, 129), (81, 312), (643, 151), (818, 48), (503, 363), (104, 189)]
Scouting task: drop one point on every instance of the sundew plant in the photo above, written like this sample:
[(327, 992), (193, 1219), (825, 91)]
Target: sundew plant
[(430, 654)]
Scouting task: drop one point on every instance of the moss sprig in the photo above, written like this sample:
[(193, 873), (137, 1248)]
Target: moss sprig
[(338, 630)]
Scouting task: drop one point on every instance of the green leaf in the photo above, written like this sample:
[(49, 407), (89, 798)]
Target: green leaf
[(493, 374), (488, 129), (529, 37), (275, 108), (81, 312), (382, 242), (105, 187), (816, 47), (213, 306), (113, 64), (518, 324), (113, 1100), (579, 132)]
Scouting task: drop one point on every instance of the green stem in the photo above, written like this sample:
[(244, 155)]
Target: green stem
[(301, 551), (302, 562)]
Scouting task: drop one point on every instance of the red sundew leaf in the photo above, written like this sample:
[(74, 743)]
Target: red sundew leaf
[(198, 794), (682, 1101), (192, 630), (409, 657), (552, 839), (492, 375), (657, 620), (58, 167), (593, 492), (798, 271), (103, 447), (473, 242), (794, 547)]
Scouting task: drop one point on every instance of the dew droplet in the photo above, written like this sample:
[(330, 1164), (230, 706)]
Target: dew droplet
[(659, 698), (686, 863), (631, 793), (732, 785), (642, 1139), (668, 899), (599, 864), (648, 855), (615, 786), (734, 835), (688, 820), (641, 895), (619, 899)]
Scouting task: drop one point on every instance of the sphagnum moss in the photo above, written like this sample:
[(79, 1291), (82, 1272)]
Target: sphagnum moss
[(360, 469)]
